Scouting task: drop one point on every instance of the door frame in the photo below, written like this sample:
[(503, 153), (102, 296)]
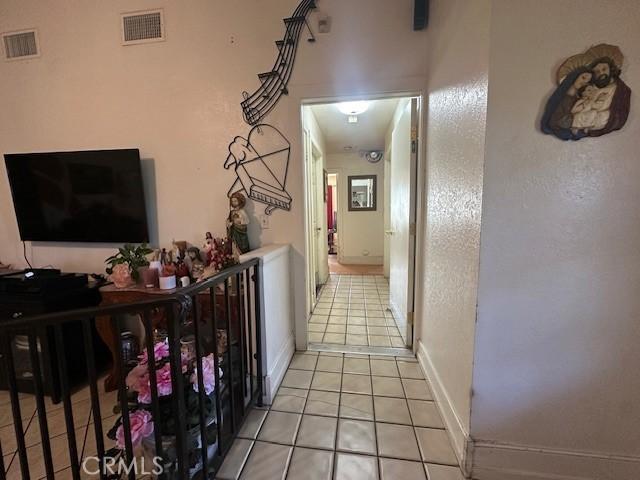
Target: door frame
[(420, 193)]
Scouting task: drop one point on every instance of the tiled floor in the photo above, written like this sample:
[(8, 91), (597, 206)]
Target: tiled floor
[(83, 421), (353, 310), (345, 417)]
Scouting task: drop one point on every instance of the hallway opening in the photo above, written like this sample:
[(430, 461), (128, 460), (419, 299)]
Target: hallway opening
[(361, 162)]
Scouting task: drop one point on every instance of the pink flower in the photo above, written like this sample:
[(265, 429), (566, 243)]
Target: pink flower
[(141, 426), (137, 378), (160, 350), (163, 381), (208, 375)]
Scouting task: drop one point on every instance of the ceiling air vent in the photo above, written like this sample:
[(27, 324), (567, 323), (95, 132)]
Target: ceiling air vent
[(20, 45), (142, 27)]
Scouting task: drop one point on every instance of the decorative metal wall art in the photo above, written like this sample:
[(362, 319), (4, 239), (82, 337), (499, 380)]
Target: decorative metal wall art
[(261, 163), (274, 83), (591, 99)]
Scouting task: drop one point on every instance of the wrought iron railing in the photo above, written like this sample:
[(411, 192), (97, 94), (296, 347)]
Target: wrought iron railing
[(183, 423)]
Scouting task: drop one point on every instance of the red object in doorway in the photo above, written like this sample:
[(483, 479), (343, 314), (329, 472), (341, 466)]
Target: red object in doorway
[(330, 207)]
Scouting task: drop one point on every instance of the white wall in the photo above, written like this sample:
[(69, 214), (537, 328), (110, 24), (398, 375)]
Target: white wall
[(179, 101), (455, 127), (556, 384), (360, 234)]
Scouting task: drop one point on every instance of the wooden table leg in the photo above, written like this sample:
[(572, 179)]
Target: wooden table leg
[(108, 335)]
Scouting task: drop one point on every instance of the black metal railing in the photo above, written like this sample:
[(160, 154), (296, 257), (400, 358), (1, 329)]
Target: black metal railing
[(179, 405)]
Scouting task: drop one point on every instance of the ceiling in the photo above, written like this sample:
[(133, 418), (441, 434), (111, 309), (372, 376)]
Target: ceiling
[(367, 134)]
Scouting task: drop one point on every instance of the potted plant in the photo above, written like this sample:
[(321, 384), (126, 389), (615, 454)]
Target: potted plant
[(124, 265)]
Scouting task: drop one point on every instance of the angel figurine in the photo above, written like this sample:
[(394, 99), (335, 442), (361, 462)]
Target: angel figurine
[(237, 224)]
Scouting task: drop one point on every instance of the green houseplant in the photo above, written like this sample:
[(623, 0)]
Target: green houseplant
[(132, 256)]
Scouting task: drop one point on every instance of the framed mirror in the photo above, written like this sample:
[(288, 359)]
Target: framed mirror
[(362, 193)]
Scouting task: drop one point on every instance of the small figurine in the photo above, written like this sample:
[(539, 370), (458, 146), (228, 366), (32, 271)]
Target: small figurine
[(237, 224), (208, 248), (197, 265)]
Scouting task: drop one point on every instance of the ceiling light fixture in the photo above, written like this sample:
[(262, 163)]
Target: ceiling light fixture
[(353, 108)]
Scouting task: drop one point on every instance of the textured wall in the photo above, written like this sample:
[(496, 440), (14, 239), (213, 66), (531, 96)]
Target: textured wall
[(455, 135), (558, 318)]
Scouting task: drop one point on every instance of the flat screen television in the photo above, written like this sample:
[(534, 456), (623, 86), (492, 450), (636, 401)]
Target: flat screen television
[(88, 196)]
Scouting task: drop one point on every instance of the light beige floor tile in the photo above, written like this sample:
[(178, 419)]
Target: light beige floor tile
[(355, 312), (326, 381), (356, 329), (357, 365), (391, 469), (407, 359), (425, 414), (280, 427), (378, 331), (356, 340), (356, 406), (303, 362), (339, 311), (336, 338), (435, 446), (384, 368), (387, 387), (319, 319), (394, 332), (297, 379), (410, 370), (235, 460), (316, 337), (380, 322), (391, 410), (317, 327), (307, 464), (344, 305), (317, 432), (338, 319), (331, 354), (361, 321), (322, 403), (443, 472), (337, 328), (379, 341), (252, 424), (321, 311), (267, 462), (355, 467), (397, 441), (397, 342), (375, 314), (416, 389), (352, 383), (290, 400), (356, 436), (329, 364)]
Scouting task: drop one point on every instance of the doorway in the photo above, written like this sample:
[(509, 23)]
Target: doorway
[(361, 162)]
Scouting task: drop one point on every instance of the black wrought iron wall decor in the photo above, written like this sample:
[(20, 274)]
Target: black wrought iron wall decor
[(274, 82), (261, 163)]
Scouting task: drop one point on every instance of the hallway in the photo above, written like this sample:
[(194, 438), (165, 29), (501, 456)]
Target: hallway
[(345, 417), (352, 310)]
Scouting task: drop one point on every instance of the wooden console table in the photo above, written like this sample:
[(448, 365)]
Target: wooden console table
[(112, 295)]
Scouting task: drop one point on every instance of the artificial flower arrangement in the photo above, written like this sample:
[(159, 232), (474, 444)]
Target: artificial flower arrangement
[(142, 423), (219, 255)]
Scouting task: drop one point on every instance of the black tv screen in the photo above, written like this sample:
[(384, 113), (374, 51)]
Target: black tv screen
[(90, 196)]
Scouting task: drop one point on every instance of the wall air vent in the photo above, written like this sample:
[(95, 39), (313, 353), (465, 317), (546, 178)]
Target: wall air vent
[(20, 45), (142, 27)]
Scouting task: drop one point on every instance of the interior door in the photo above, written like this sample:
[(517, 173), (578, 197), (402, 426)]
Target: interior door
[(310, 202), (404, 150)]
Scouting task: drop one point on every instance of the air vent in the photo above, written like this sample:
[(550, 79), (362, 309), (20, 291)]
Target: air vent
[(142, 27), (20, 45)]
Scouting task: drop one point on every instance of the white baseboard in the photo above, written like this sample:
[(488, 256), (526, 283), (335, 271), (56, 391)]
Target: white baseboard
[(273, 379), (462, 444), (494, 461)]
